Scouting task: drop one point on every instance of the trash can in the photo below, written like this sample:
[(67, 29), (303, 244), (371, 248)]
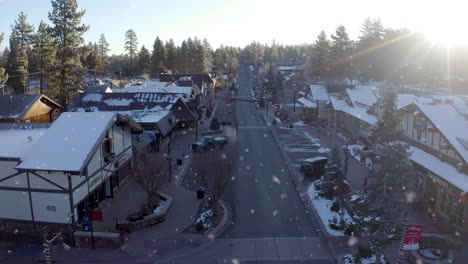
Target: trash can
[(200, 193), (180, 160)]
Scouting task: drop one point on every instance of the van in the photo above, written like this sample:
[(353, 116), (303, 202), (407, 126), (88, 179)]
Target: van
[(313, 167)]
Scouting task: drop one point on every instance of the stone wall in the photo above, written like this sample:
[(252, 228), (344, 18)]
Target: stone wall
[(25, 231)]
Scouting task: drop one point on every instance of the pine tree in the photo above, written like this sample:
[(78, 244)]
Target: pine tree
[(171, 58), (190, 55), (158, 58), (144, 61), (103, 47), (184, 58), (3, 75), (393, 178), (340, 51), (44, 49), (131, 46), (220, 57), (207, 56), (320, 58), (67, 75), (18, 61)]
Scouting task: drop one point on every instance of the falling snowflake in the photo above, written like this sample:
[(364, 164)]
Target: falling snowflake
[(275, 212), (275, 179), (352, 241), (246, 150), (252, 211), (283, 196)]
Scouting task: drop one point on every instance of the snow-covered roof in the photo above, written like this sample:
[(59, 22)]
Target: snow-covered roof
[(69, 142), (319, 92), (185, 90), (358, 112), (17, 140), (450, 123), (440, 168), (364, 94), (407, 99), (307, 103), (459, 102)]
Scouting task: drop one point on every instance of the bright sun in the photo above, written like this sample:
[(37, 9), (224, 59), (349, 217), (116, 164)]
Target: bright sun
[(449, 34)]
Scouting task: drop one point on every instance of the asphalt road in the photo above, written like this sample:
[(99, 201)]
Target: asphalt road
[(262, 197)]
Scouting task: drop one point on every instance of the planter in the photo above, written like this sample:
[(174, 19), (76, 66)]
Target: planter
[(132, 224)]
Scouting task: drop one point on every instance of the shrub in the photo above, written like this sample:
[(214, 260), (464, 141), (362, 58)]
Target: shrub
[(200, 225), (352, 229), (333, 224), (214, 124), (146, 210), (261, 103), (364, 251), (335, 207)]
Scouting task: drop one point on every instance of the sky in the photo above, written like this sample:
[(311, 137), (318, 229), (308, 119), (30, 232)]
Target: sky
[(239, 22)]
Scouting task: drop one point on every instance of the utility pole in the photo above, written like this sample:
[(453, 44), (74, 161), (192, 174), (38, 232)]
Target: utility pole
[(169, 158)]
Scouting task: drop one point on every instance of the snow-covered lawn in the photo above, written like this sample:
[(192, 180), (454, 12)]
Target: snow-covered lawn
[(323, 208)]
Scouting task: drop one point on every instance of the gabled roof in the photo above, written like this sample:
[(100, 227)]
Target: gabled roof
[(197, 78), (186, 90), (363, 94), (16, 106), (71, 141), (17, 139), (99, 89), (357, 112), (450, 123), (319, 92), (126, 101)]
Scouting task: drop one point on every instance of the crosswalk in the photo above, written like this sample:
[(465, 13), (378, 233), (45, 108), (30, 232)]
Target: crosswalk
[(275, 249)]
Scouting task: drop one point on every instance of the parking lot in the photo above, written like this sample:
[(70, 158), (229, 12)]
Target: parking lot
[(299, 146)]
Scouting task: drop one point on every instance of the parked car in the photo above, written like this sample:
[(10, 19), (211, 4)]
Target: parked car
[(208, 142), (313, 167)]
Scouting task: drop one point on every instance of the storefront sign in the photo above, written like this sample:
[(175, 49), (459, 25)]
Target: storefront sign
[(413, 236), (51, 208)]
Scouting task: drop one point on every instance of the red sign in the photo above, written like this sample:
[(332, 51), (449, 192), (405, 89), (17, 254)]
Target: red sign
[(96, 215), (228, 101), (413, 236), (294, 84)]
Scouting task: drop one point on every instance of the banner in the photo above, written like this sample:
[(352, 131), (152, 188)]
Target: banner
[(96, 215), (413, 236)]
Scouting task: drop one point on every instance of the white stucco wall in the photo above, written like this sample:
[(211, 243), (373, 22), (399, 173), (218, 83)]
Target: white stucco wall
[(59, 201)]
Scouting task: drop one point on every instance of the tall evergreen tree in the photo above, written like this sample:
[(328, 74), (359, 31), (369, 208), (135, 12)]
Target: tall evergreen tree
[(340, 51), (131, 46), (18, 61), (207, 56), (3, 75), (103, 47), (67, 74), (184, 58), (144, 61), (190, 55), (44, 49), (158, 58), (171, 55), (393, 177), (320, 58)]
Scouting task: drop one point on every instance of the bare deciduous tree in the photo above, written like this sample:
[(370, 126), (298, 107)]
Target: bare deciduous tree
[(149, 174), (215, 168)]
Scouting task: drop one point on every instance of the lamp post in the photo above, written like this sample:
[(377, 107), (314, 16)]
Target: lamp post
[(169, 158)]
